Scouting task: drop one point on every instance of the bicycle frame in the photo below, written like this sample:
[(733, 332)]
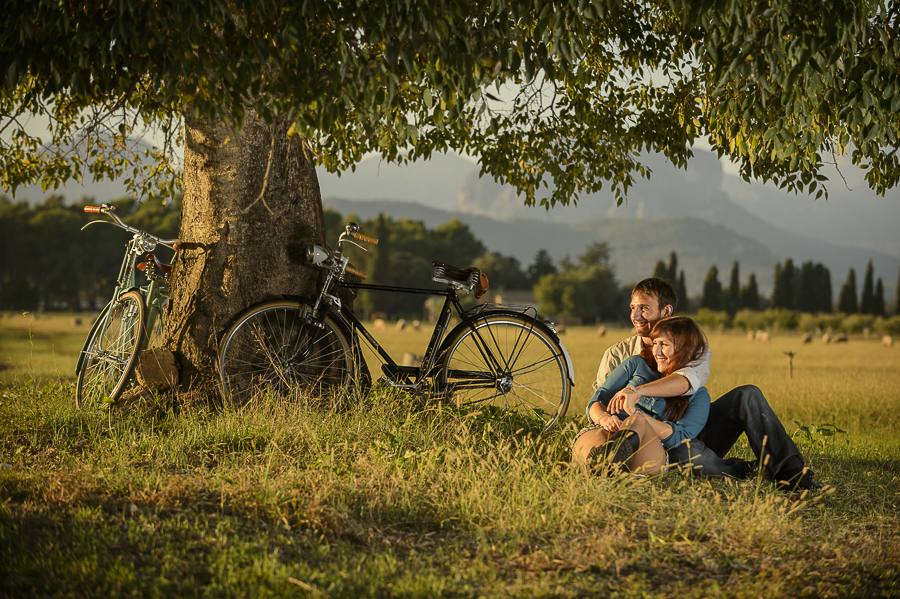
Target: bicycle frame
[(155, 293), (430, 359), (398, 376)]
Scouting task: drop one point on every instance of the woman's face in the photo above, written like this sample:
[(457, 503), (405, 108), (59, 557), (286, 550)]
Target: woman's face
[(663, 351)]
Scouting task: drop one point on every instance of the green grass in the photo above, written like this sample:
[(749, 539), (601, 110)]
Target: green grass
[(387, 500)]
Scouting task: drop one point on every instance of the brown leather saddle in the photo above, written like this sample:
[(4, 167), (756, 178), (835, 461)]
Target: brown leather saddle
[(476, 280)]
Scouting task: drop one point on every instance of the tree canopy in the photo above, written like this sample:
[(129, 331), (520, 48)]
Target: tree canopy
[(560, 93)]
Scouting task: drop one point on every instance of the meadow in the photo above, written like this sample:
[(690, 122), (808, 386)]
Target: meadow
[(392, 499)]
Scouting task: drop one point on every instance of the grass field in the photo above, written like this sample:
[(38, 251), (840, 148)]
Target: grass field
[(384, 500)]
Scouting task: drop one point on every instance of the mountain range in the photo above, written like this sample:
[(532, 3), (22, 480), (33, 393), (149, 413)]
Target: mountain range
[(705, 214)]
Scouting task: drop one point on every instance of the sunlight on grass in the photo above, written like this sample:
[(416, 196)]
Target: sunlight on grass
[(391, 497)]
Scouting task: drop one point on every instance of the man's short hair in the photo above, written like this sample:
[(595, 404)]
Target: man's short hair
[(660, 289)]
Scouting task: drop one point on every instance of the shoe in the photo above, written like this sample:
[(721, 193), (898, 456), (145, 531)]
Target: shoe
[(742, 469), (798, 482), (616, 453)]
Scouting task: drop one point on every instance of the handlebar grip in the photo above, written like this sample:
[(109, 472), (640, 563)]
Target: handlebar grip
[(353, 271), (93, 209), (366, 238)]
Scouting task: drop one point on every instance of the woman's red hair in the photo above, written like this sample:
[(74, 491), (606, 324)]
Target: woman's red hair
[(690, 345)]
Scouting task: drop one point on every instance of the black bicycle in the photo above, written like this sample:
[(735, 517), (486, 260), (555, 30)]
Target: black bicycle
[(501, 357)]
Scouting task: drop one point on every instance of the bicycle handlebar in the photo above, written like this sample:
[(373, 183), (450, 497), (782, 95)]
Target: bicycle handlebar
[(110, 211), (366, 238), (356, 272)]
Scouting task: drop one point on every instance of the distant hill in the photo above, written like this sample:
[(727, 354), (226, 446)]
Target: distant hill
[(634, 254), (767, 225), (638, 243)]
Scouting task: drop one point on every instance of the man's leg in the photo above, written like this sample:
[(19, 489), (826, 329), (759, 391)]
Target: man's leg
[(745, 410), (701, 460)]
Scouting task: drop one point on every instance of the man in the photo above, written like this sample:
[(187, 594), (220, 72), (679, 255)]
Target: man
[(742, 410)]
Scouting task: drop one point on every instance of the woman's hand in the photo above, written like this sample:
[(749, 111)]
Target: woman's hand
[(626, 399), (610, 423), (604, 419)]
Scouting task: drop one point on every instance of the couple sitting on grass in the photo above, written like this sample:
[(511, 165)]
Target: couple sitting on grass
[(650, 407)]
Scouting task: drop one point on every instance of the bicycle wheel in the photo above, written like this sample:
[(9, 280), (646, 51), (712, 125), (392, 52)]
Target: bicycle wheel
[(510, 366), (112, 352), (273, 348)]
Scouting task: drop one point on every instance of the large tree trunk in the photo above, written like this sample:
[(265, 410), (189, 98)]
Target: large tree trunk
[(236, 252)]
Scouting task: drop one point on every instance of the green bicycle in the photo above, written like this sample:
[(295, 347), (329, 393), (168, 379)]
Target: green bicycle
[(133, 319)]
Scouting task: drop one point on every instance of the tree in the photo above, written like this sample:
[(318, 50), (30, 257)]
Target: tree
[(813, 288), (783, 294), (681, 292), (504, 272), (661, 271), (712, 290), (234, 79), (867, 300), (879, 299), (734, 290), (542, 265), (847, 298), (897, 297), (673, 268), (595, 269), (750, 294), (822, 289), (564, 295)]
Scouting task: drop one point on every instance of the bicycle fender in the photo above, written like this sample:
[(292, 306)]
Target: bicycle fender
[(458, 329)]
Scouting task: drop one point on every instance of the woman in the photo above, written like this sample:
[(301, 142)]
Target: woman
[(634, 431)]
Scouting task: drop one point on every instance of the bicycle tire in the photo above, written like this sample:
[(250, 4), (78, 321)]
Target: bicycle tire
[(274, 348), (508, 362), (112, 351)]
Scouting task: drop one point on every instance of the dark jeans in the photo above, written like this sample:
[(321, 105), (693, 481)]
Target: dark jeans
[(742, 410)]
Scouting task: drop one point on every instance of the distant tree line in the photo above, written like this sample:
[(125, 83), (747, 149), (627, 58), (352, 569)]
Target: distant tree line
[(47, 262), (805, 288)]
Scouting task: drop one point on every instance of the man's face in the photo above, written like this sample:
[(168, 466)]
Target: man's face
[(645, 312)]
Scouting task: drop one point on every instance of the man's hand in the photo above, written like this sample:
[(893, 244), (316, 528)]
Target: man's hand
[(626, 399)]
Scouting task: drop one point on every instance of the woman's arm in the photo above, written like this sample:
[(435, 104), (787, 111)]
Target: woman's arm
[(633, 370), (693, 420)]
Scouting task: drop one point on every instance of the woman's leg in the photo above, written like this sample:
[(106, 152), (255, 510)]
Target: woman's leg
[(588, 439), (650, 457)]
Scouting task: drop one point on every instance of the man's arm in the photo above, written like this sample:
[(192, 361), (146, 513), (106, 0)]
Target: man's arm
[(607, 364), (615, 355)]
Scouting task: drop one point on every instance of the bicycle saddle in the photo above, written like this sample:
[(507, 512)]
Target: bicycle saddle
[(160, 266), (471, 277)]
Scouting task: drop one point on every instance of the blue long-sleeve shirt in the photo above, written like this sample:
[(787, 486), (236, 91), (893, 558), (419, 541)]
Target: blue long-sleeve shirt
[(635, 371)]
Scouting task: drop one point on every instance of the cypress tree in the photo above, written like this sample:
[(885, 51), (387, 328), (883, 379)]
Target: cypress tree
[(804, 294), (734, 291), (867, 301), (879, 299), (681, 291), (783, 294), (660, 271), (750, 294), (821, 289), (712, 290), (847, 299), (673, 268)]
